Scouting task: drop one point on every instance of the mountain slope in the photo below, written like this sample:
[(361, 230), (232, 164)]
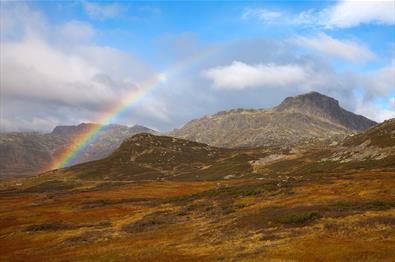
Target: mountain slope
[(150, 157), (373, 148), (295, 120), (27, 153), (326, 108)]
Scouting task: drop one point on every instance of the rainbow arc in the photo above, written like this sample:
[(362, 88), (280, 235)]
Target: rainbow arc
[(80, 142)]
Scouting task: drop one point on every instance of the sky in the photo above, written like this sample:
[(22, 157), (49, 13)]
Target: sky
[(67, 62)]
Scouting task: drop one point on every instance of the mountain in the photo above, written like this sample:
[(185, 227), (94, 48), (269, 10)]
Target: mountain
[(297, 119), (381, 135), (326, 108), (374, 147), (107, 140), (149, 157), (27, 153), (241, 204)]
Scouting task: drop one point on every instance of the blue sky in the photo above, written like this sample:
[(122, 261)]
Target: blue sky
[(80, 57)]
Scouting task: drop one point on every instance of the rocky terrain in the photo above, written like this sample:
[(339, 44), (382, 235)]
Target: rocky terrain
[(296, 120), (27, 153), (159, 198), (150, 157), (378, 143)]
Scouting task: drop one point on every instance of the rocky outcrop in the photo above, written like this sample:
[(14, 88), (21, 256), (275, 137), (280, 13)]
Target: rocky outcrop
[(376, 143), (296, 120)]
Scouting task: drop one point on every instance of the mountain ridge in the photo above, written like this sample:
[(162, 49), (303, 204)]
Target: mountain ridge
[(26, 153), (311, 101), (296, 120), (148, 157)]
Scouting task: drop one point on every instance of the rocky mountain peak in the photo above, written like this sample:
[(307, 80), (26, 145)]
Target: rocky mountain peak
[(72, 129), (141, 129), (326, 108), (310, 101), (296, 120)]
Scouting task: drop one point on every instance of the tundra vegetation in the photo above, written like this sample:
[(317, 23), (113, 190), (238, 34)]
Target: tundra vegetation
[(306, 205)]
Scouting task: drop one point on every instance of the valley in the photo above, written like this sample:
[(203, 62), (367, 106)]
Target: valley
[(202, 131), (269, 204)]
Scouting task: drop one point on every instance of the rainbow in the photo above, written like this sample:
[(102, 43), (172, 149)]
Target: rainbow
[(80, 142)]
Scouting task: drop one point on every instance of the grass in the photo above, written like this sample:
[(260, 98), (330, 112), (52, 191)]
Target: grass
[(344, 206), (49, 227), (341, 217), (151, 222), (298, 217), (231, 192), (50, 186)]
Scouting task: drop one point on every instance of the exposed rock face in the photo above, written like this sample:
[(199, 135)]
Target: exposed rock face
[(325, 107), (376, 143), (295, 120), (29, 152)]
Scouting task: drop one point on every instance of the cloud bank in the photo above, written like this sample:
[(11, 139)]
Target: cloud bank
[(61, 65), (342, 14), (59, 73), (239, 75), (344, 49)]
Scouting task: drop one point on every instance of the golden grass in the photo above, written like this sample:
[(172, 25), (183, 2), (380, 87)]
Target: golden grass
[(192, 232)]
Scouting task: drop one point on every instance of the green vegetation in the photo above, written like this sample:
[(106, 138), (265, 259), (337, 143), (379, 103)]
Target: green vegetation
[(343, 206), (50, 186), (298, 217), (232, 192), (49, 227), (151, 222)]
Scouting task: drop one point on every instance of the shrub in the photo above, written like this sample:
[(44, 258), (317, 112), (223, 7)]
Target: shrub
[(48, 227), (298, 217)]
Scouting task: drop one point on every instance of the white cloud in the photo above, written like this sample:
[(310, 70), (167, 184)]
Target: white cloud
[(378, 102), (380, 82), (18, 20), (280, 17), (76, 31), (343, 14), (239, 75), (373, 111), (60, 75), (344, 49), (101, 11), (392, 102), (349, 13), (50, 74), (261, 14)]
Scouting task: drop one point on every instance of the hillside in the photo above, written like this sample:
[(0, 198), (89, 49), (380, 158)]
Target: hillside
[(27, 153), (297, 119), (158, 198), (374, 147), (150, 157)]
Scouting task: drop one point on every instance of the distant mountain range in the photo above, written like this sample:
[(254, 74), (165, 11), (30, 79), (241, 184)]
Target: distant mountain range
[(300, 119), (150, 157), (297, 119), (25, 153)]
